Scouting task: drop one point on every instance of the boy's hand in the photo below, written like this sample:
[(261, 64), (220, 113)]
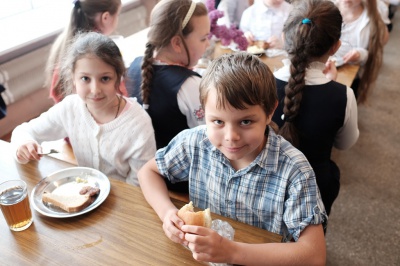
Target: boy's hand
[(29, 151), (172, 227), (206, 244)]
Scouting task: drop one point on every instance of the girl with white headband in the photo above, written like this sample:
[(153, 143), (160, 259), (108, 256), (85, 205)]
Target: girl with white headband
[(162, 79)]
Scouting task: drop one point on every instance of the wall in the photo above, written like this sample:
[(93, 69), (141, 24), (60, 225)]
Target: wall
[(23, 77)]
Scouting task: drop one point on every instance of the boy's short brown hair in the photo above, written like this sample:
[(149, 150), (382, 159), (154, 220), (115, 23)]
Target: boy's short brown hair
[(240, 79)]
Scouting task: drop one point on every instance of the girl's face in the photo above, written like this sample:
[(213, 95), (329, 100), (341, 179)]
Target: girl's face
[(109, 22), (350, 3), (273, 3), (95, 83), (238, 134), (197, 41)]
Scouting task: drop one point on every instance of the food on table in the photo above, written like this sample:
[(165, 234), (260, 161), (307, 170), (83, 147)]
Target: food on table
[(262, 44), (69, 203), (73, 202), (89, 190), (190, 217)]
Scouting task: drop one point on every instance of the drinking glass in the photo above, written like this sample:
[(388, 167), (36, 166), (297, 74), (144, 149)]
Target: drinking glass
[(14, 204)]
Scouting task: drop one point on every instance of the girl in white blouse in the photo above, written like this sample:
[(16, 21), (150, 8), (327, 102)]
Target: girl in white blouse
[(108, 131)]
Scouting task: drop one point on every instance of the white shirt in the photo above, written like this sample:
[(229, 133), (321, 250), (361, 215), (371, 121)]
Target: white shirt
[(348, 133), (233, 10), (356, 35), (264, 22), (118, 148)]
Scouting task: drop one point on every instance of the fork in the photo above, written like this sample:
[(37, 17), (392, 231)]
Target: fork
[(48, 152)]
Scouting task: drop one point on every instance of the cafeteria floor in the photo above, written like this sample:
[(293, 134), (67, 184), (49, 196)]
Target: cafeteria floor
[(364, 225)]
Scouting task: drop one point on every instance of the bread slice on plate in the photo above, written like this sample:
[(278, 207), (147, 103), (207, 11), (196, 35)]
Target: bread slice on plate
[(69, 203)]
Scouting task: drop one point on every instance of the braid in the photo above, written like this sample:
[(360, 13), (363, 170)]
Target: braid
[(294, 94), (300, 59), (147, 73)]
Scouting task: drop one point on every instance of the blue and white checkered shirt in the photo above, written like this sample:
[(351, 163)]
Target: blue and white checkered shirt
[(276, 192)]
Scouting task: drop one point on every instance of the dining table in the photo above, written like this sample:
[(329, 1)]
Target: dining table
[(122, 230), (134, 45)]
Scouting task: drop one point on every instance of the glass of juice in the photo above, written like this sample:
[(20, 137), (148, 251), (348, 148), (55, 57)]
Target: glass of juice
[(14, 204)]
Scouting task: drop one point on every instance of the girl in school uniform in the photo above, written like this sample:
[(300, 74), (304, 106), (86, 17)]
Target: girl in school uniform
[(315, 113)]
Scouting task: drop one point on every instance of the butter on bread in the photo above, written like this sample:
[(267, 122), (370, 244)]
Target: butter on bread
[(69, 203), (190, 217)]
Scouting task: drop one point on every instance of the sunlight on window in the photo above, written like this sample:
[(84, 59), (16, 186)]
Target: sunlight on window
[(27, 20)]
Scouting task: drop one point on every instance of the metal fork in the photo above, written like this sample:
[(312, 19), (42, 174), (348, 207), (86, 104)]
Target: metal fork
[(46, 152)]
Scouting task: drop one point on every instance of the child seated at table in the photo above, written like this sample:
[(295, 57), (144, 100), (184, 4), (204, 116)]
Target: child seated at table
[(263, 21), (89, 15), (314, 113), (108, 131), (163, 80), (363, 36), (239, 168)]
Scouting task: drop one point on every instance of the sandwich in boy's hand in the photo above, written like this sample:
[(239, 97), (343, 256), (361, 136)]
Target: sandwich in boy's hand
[(190, 217)]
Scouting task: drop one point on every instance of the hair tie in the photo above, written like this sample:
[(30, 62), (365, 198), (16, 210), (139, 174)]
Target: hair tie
[(306, 21), (148, 45), (77, 3), (188, 15)]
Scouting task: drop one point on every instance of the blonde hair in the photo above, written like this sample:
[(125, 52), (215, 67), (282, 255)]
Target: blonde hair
[(82, 19), (240, 79), (166, 21)]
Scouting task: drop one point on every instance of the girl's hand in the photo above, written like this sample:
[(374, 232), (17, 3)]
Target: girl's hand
[(330, 70), (351, 57), (172, 227), (207, 245), (29, 151), (249, 37)]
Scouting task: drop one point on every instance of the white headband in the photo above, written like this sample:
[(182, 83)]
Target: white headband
[(189, 14)]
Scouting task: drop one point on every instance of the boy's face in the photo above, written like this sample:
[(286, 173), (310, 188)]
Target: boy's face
[(238, 134)]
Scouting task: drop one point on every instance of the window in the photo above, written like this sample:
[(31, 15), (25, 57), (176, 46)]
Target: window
[(23, 21), (28, 24)]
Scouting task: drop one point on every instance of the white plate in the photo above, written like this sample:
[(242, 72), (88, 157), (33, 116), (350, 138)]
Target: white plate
[(65, 182)]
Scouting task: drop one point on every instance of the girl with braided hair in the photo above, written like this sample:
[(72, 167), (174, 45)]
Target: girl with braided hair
[(314, 112), (86, 15), (162, 79)]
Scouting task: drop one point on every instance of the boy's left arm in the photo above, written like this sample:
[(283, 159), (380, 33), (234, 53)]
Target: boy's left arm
[(207, 245)]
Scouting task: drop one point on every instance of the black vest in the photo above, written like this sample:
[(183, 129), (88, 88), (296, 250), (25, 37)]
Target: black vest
[(164, 111), (321, 115)]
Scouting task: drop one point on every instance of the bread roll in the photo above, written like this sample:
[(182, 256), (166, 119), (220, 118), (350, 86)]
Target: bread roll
[(69, 203), (190, 217), (262, 44)]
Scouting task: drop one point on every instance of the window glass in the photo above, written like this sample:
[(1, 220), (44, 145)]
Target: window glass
[(23, 22), (27, 20)]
